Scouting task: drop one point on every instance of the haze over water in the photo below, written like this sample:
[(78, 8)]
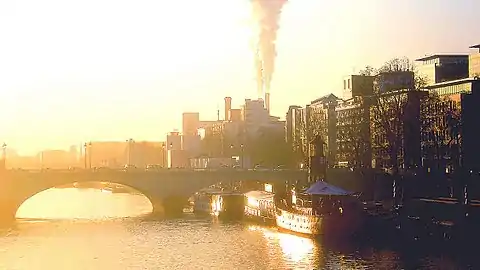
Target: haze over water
[(91, 229)]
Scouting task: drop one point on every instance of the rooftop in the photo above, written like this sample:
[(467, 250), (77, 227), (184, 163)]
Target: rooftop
[(435, 56), (475, 47), (325, 99)]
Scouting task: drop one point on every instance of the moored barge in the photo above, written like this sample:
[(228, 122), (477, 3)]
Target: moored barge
[(323, 209)]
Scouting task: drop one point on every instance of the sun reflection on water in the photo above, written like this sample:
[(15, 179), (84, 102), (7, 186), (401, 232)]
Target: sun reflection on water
[(72, 203), (296, 250)]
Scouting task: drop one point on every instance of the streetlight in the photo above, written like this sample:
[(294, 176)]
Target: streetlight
[(170, 160), (90, 155), (41, 161), (163, 155), (4, 156), (84, 155), (129, 149), (241, 156)]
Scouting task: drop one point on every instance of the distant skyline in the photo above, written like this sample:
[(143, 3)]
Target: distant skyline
[(74, 71)]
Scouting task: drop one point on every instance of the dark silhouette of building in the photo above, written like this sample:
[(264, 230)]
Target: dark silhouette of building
[(470, 129)]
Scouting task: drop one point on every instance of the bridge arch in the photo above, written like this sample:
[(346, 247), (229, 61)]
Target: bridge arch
[(27, 196), (17, 190)]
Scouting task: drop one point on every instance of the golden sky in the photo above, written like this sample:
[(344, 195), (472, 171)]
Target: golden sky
[(72, 71)]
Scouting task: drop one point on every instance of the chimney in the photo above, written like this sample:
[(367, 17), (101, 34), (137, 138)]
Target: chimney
[(267, 102), (228, 107)]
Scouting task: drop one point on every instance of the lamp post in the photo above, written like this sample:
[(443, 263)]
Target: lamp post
[(4, 156), (170, 160), (41, 161), (128, 152), (163, 155), (84, 155), (90, 155), (241, 153)]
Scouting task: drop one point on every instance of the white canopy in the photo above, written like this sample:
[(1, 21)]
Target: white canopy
[(323, 188)]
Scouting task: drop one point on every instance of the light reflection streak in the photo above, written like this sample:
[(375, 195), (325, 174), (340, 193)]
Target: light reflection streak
[(295, 249)]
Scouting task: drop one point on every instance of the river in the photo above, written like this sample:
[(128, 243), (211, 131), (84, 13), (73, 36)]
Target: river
[(90, 229)]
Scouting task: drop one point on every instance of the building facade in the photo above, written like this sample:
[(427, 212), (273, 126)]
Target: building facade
[(292, 120), (443, 133), (321, 122), (439, 68), (353, 133), (254, 116), (357, 86), (474, 62), (190, 123), (174, 141)]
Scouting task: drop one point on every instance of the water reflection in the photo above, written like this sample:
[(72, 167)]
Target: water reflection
[(300, 252), (86, 229), (91, 204), (296, 251)]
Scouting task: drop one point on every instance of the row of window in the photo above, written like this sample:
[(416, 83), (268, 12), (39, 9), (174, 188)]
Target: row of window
[(453, 89)]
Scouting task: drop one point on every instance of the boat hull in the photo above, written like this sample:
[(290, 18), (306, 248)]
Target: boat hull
[(259, 216), (313, 225), (298, 223), (202, 206)]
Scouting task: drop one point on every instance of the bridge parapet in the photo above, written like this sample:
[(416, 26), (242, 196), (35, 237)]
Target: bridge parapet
[(95, 174)]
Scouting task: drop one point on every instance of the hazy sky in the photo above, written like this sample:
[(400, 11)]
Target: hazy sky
[(72, 71)]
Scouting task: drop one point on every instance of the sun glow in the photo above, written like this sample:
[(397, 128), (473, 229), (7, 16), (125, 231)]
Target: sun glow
[(117, 57), (91, 204)]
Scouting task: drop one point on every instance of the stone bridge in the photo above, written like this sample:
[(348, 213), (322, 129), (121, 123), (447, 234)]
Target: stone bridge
[(167, 190)]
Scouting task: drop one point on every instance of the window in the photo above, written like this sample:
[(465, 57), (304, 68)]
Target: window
[(344, 84), (348, 83)]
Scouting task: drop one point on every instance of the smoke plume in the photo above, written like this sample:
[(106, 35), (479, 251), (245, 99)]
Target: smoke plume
[(266, 14)]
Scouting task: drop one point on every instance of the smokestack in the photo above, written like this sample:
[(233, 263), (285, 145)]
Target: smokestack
[(228, 107), (267, 102)]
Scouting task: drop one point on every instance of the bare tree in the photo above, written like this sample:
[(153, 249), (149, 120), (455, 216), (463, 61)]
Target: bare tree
[(368, 71), (316, 123), (312, 125), (390, 111), (352, 138), (441, 125)]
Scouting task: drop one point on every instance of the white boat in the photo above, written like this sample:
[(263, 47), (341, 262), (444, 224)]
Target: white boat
[(323, 209), (260, 206)]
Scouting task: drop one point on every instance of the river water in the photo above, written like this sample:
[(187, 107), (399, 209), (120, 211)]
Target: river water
[(91, 229)]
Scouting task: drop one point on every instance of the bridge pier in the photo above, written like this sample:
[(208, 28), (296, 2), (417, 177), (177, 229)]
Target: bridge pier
[(8, 211), (169, 206)]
